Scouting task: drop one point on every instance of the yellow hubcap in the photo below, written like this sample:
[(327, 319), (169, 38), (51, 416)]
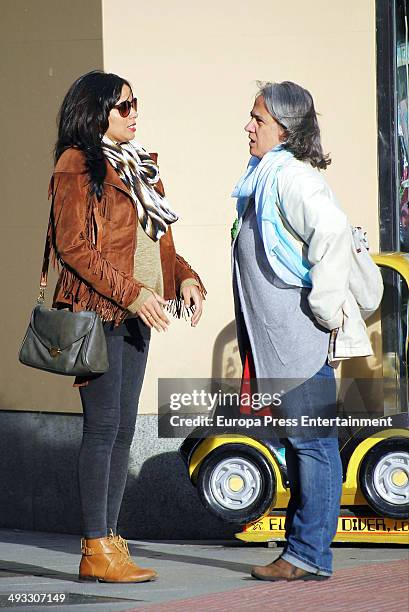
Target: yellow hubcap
[(236, 483), (399, 478)]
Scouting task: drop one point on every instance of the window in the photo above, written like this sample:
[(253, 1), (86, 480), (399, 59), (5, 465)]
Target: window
[(392, 38), (402, 80)]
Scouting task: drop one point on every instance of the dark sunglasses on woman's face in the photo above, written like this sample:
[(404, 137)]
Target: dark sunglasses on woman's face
[(124, 108)]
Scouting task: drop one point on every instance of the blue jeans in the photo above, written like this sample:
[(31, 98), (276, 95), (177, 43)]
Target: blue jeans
[(315, 475)]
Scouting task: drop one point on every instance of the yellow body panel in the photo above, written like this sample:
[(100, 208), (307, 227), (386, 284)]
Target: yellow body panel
[(400, 263), (395, 261), (351, 494), (375, 529), (209, 444)]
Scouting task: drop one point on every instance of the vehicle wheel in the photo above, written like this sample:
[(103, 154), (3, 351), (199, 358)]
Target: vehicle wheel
[(236, 483), (384, 478)]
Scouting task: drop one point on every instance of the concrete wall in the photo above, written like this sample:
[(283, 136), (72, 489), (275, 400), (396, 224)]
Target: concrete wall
[(159, 501)]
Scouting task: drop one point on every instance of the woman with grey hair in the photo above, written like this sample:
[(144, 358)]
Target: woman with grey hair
[(291, 262)]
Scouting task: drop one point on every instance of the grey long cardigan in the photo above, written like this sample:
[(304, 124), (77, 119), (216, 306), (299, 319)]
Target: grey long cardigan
[(275, 318)]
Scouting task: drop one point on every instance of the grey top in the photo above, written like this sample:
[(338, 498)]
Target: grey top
[(285, 339)]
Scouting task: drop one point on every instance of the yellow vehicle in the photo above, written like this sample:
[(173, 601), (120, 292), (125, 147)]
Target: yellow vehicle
[(243, 479)]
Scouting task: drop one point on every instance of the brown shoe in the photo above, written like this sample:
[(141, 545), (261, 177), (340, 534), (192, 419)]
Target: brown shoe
[(283, 570), (104, 560)]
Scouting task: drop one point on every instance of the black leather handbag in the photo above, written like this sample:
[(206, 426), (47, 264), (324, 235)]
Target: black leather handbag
[(61, 341)]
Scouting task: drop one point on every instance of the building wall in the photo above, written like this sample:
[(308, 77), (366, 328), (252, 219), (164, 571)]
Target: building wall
[(193, 67), (44, 45)]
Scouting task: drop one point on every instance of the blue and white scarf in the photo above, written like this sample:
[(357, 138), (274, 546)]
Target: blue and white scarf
[(260, 182)]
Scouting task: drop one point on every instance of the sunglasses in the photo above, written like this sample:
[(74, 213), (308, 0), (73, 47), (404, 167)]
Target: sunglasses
[(124, 108)]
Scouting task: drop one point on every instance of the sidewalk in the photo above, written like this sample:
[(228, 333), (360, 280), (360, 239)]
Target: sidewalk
[(199, 576)]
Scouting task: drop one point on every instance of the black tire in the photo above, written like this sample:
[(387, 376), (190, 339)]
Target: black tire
[(377, 469), (247, 464)]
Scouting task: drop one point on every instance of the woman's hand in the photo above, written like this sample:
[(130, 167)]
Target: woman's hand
[(191, 294), (151, 313)]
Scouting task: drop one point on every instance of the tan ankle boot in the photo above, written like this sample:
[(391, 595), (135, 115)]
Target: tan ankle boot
[(123, 544), (103, 560)]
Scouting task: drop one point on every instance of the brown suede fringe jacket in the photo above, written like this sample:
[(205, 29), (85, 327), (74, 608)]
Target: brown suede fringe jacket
[(93, 244)]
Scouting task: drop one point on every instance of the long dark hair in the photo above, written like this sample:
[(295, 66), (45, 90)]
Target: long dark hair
[(293, 107), (83, 120)]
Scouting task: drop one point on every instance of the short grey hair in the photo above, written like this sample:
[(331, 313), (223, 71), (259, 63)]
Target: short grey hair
[(292, 107)]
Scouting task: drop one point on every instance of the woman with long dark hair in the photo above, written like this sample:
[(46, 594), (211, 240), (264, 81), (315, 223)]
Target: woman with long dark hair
[(112, 239), (292, 262)]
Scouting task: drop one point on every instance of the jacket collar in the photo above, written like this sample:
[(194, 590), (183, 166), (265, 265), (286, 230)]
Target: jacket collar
[(72, 161), (113, 179)]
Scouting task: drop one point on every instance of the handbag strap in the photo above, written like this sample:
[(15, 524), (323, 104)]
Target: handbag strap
[(47, 251), (46, 264)]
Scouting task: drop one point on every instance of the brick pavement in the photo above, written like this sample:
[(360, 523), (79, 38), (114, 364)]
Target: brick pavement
[(376, 587)]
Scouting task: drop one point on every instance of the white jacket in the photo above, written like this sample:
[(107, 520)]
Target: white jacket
[(314, 215)]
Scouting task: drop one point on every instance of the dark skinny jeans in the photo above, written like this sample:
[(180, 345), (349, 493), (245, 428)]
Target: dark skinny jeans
[(110, 404)]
